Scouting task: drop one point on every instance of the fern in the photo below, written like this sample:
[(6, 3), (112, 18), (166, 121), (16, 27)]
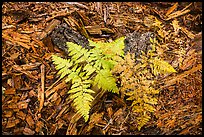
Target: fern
[(159, 66), (137, 82), (89, 67)]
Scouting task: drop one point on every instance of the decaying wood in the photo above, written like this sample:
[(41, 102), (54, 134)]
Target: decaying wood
[(172, 80), (49, 28), (59, 14), (97, 30)]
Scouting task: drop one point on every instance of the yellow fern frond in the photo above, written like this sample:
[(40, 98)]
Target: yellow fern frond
[(142, 120), (137, 87), (161, 67)]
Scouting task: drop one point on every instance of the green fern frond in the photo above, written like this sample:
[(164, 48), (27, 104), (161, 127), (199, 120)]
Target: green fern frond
[(105, 80), (80, 92), (89, 67), (78, 53), (63, 65), (111, 49)]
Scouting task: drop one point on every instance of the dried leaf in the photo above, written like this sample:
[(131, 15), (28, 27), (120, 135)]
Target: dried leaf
[(157, 23), (149, 20), (176, 26), (161, 33)]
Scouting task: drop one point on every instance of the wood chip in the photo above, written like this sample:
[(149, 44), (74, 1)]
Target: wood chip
[(118, 113), (110, 112), (188, 33), (39, 126), (84, 18), (28, 131), (22, 105), (94, 119), (32, 93), (8, 27), (177, 14), (59, 14), (21, 115), (30, 121), (170, 81), (107, 30), (94, 30), (18, 131), (7, 113), (12, 123), (10, 91)]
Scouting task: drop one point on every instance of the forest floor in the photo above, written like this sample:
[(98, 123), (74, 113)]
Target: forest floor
[(35, 102)]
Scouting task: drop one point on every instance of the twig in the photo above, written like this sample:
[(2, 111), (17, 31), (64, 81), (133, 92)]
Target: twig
[(42, 90), (109, 122), (78, 4), (8, 27), (52, 87), (124, 120)]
